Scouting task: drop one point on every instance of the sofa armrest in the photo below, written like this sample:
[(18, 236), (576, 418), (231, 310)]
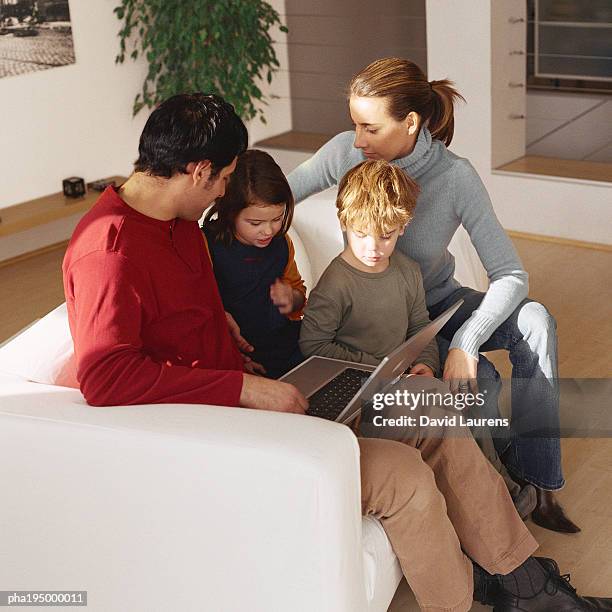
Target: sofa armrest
[(178, 507)]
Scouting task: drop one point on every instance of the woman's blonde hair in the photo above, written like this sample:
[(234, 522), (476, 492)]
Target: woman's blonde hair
[(407, 90), (376, 196)]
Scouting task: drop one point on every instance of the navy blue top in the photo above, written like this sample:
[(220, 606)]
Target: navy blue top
[(244, 275)]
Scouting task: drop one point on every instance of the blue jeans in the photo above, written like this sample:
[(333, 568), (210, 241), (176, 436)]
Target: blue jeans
[(531, 449)]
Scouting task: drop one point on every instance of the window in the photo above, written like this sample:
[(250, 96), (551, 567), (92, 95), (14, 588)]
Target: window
[(569, 45)]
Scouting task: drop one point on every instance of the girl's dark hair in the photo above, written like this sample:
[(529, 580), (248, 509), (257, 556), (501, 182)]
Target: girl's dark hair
[(407, 89), (257, 179), (190, 128)]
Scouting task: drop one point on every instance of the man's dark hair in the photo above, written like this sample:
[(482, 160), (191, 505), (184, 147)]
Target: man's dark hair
[(190, 128)]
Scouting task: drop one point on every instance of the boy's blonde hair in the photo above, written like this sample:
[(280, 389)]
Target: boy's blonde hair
[(376, 196)]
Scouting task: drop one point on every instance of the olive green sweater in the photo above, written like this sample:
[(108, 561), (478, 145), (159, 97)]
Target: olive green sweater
[(363, 316)]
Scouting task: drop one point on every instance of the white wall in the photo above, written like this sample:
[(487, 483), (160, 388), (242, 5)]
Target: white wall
[(77, 120), (459, 47), (278, 109), (72, 120)]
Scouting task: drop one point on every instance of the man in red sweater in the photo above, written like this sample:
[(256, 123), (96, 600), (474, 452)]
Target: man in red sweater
[(145, 313)]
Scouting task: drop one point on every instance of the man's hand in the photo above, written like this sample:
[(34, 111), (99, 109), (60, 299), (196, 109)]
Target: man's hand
[(234, 330), (420, 369), (267, 394), (460, 371)]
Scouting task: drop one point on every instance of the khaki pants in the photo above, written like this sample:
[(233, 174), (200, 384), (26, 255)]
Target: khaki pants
[(437, 497)]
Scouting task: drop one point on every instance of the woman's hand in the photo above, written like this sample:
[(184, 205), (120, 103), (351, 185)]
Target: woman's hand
[(281, 295), (460, 371), (420, 369)]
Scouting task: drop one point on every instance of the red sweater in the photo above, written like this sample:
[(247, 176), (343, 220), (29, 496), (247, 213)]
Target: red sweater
[(145, 313)]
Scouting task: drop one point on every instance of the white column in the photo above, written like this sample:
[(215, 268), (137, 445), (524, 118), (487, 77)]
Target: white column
[(459, 48)]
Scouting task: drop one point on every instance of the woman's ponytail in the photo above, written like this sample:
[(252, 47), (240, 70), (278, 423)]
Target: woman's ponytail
[(441, 120), (407, 90)]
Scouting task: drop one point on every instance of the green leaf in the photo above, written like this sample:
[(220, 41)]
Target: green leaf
[(222, 47)]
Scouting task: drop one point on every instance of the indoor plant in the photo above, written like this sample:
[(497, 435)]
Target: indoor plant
[(221, 47)]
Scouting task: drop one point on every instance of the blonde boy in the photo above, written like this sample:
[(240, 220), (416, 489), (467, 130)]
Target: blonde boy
[(370, 299)]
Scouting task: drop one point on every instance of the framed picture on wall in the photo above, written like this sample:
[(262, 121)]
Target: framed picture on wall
[(34, 35)]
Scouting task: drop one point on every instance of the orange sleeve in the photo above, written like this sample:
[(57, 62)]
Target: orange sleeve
[(291, 275), (206, 247)]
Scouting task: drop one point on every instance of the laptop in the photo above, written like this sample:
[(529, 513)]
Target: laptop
[(337, 390)]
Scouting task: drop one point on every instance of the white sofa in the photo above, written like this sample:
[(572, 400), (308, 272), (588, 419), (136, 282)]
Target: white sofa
[(183, 507)]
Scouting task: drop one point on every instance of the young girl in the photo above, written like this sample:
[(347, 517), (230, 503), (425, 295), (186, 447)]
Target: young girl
[(253, 260)]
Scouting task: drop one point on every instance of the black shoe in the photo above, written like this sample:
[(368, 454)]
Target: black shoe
[(558, 595), (550, 565), (486, 586), (550, 514)]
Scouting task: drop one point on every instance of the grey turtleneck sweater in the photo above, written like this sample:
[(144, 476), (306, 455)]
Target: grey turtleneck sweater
[(452, 194)]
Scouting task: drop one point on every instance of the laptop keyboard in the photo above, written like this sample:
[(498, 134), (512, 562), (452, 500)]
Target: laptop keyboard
[(331, 399)]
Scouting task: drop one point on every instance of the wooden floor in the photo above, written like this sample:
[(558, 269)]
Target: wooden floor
[(574, 283), (29, 289), (567, 168), (576, 286)]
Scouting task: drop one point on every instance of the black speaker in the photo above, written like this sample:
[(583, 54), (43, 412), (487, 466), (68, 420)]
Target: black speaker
[(74, 187)]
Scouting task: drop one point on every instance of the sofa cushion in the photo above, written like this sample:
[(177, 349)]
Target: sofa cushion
[(44, 352), (301, 258), (316, 222)]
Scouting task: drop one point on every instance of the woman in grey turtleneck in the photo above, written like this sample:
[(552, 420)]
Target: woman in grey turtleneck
[(401, 117)]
